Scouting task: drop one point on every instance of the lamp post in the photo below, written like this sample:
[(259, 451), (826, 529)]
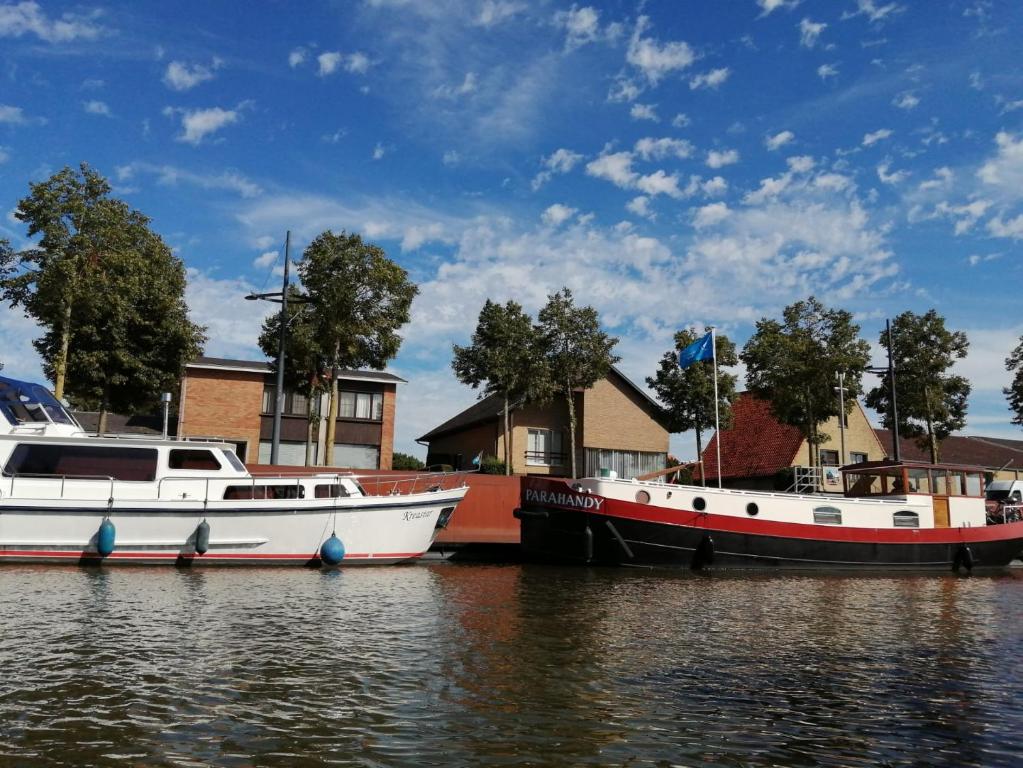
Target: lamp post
[(282, 298), (840, 389)]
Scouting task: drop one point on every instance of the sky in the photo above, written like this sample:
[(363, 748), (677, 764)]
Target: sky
[(675, 163)]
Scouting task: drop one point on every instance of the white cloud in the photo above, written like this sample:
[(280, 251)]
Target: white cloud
[(711, 79), (582, 26), (4, 155), (198, 124), (451, 157), (681, 120), (27, 18), (96, 108), (942, 180), (12, 115), (416, 235), (494, 12), (714, 187), (182, 77), (640, 206), (872, 11), (357, 63), (265, 259), (769, 6), (379, 151), (824, 71), (907, 100), (169, 175), (658, 149), (870, 139), (779, 140), (1013, 228), (800, 163), (561, 161), (233, 324), (896, 177), (659, 183), (644, 112), (615, 167), (716, 159), (329, 62), (297, 57), (810, 32), (1005, 170), (965, 216), (654, 60), (467, 86), (623, 89), (557, 214), (710, 215)]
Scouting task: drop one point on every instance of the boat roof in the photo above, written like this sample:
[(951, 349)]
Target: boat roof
[(889, 464)]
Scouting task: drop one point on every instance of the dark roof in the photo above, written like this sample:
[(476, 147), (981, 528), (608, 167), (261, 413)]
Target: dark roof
[(119, 424), (262, 365), (971, 450), (489, 407), (492, 406), (757, 444)]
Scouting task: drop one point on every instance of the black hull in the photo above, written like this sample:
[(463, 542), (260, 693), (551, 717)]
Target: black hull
[(564, 536)]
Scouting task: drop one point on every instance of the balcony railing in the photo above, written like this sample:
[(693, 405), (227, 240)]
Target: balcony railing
[(546, 458)]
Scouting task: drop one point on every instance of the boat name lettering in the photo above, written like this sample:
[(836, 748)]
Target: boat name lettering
[(564, 499), (416, 514)]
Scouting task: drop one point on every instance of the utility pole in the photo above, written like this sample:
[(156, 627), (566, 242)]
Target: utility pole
[(275, 435)]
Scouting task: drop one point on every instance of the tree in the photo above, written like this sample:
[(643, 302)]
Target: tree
[(360, 299), (577, 352), (504, 358), (687, 394), (1014, 392), (931, 401), (108, 292), (793, 364), (305, 366), (406, 461)]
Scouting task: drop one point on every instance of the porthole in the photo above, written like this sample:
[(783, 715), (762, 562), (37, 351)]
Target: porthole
[(752, 509), (827, 516), (643, 497), (699, 503)]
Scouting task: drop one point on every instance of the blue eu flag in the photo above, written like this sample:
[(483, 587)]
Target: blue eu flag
[(701, 349)]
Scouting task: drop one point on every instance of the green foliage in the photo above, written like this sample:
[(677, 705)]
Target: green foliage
[(503, 359), (577, 351), (491, 465), (687, 394), (931, 401), (360, 299), (406, 461), (1014, 392), (305, 367), (794, 364), (108, 292)]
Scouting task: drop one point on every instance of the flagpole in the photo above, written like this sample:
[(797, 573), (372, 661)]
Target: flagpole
[(717, 416)]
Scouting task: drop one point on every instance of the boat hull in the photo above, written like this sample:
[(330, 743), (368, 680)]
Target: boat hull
[(617, 532), (373, 530)]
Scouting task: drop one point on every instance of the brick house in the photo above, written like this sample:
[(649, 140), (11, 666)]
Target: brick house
[(758, 451), (234, 400), (618, 427)]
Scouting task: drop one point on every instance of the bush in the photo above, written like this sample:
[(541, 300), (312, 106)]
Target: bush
[(406, 461), (491, 465)]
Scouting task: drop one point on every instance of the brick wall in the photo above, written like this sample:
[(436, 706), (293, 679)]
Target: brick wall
[(219, 403), (859, 438), (387, 428), (616, 417)]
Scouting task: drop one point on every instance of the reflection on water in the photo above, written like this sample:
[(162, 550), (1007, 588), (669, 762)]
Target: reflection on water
[(461, 665)]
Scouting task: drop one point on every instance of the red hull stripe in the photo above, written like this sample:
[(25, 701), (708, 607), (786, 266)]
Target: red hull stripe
[(645, 513), (72, 555)]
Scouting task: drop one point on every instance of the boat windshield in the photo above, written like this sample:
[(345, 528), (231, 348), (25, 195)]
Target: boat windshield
[(25, 403)]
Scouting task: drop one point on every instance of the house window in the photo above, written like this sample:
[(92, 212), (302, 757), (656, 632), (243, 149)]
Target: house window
[(625, 464), (855, 457), (361, 405), (829, 458), (827, 516), (544, 448), (295, 403)]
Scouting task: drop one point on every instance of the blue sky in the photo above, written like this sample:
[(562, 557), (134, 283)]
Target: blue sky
[(674, 163)]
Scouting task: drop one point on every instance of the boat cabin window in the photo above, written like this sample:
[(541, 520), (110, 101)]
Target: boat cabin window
[(263, 492), (919, 481), (331, 491), (827, 516), (192, 458), (878, 482), (235, 462), (83, 461), (906, 519)]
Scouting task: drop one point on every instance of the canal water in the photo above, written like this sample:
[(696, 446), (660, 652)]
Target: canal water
[(470, 665)]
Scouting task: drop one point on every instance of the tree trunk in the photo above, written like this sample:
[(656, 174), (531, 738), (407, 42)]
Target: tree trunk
[(571, 427), (101, 424), (328, 450), (309, 436), (60, 364), (507, 440)]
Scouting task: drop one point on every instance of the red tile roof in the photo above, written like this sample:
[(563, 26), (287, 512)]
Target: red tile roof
[(757, 445), (990, 452)]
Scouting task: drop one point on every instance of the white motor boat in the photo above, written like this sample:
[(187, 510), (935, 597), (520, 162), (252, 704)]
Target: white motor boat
[(68, 496)]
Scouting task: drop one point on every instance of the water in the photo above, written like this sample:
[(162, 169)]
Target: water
[(460, 665)]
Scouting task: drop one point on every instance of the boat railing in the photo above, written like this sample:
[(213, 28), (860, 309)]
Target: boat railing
[(63, 482)]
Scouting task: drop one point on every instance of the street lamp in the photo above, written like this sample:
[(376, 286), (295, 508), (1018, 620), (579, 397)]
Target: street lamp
[(890, 373), (281, 298)]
